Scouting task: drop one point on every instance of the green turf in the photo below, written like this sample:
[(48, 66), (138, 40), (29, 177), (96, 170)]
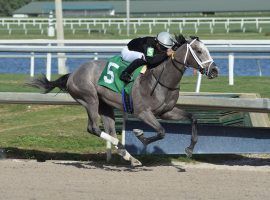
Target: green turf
[(260, 85)]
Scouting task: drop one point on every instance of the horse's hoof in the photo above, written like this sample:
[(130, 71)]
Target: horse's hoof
[(188, 152), (135, 162), (138, 132)]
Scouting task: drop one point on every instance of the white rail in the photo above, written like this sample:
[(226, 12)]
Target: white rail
[(117, 49), (144, 19), (123, 42), (103, 25)]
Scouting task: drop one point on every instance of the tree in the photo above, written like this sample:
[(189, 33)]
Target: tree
[(7, 7)]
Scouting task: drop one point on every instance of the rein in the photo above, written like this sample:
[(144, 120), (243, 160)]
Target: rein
[(174, 61), (158, 79), (162, 84), (158, 82)]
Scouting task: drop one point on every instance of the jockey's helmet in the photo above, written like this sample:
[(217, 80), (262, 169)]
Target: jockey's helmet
[(166, 39)]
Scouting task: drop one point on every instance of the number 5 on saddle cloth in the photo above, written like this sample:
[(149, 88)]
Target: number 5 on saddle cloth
[(110, 79)]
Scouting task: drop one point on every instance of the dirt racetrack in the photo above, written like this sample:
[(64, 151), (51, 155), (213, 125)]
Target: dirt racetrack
[(28, 179)]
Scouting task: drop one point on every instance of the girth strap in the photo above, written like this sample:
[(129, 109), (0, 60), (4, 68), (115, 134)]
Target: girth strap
[(127, 102)]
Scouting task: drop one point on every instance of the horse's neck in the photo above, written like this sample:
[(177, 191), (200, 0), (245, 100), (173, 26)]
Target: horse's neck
[(170, 72)]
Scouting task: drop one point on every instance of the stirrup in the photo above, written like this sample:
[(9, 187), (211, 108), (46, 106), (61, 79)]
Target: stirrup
[(125, 77)]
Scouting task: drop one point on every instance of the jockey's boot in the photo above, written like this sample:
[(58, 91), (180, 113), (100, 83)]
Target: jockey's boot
[(125, 76)]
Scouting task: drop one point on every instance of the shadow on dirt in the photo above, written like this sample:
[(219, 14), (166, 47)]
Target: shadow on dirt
[(103, 166), (236, 160), (90, 161), (98, 160)]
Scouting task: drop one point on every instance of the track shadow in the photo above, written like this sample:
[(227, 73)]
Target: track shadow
[(98, 160), (235, 160), (103, 166), (42, 156), (90, 161)]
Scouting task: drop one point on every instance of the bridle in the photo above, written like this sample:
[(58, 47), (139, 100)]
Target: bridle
[(174, 61), (198, 60)]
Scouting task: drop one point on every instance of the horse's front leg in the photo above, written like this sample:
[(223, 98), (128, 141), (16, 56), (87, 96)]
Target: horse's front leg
[(149, 118), (178, 114)]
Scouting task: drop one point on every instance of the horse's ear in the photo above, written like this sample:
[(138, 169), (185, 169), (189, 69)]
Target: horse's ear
[(180, 39), (194, 37)]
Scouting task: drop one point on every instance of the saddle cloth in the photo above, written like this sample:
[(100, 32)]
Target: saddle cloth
[(111, 73)]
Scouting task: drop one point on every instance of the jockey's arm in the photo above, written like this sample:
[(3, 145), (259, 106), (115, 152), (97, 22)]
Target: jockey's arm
[(158, 58), (155, 60)]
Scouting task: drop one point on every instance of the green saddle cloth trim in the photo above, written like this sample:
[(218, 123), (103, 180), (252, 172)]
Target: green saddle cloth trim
[(110, 76)]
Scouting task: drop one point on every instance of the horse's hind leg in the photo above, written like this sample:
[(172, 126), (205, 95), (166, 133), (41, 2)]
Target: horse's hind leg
[(91, 106), (107, 114), (87, 96), (178, 114)]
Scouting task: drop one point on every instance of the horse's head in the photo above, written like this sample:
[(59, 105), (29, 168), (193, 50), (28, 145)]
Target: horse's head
[(198, 56)]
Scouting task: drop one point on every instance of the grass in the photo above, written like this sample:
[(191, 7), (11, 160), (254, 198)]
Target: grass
[(34, 131), (47, 128), (43, 128), (260, 85)]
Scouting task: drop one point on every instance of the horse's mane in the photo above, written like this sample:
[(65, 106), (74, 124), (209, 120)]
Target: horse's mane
[(195, 37), (180, 40)]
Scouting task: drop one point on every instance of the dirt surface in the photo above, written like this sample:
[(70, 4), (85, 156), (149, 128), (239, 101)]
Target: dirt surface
[(28, 179)]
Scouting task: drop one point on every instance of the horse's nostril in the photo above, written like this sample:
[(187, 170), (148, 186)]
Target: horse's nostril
[(213, 73)]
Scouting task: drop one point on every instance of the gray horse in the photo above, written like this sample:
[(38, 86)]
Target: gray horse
[(154, 94)]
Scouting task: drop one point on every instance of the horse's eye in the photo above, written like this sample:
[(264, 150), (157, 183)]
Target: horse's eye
[(199, 52)]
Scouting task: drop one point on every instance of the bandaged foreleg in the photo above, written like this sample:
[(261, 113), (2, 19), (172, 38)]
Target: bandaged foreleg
[(109, 138)]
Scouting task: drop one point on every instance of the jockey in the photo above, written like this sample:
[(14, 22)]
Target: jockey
[(150, 51)]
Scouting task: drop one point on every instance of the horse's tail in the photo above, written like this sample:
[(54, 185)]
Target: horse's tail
[(44, 84)]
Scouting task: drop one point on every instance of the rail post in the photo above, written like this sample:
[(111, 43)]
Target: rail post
[(199, 81), (108, 151), (49, 65), (32, 64), (231, 68)]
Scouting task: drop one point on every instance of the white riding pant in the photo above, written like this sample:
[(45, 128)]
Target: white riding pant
[(130, 56)]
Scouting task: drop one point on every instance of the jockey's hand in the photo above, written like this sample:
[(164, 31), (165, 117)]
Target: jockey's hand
[(169, 52)]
